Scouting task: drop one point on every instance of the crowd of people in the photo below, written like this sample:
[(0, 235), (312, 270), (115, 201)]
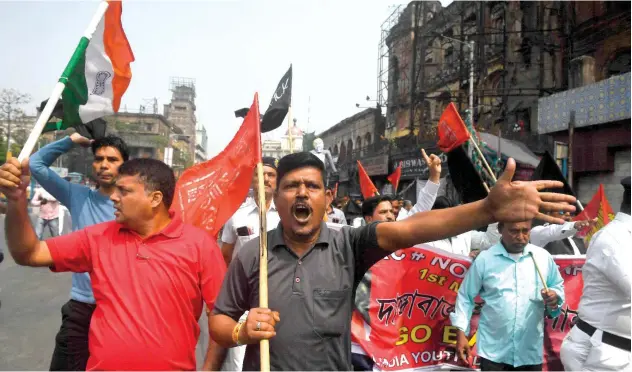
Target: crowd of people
[(142, 277)]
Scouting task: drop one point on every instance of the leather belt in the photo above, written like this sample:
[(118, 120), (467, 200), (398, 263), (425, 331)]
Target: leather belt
[(607, 338)]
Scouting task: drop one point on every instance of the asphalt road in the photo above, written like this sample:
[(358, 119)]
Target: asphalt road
[(30, 314)]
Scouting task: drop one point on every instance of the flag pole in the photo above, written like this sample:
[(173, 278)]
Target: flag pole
[(29, 146), (264, 345), (478, 150)]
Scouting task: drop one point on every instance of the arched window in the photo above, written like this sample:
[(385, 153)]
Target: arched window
[(358, 145), (335, 152), (343, 153)]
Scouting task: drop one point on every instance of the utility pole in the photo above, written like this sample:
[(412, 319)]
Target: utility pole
[(571, 132), (471, 97), (411, 85)]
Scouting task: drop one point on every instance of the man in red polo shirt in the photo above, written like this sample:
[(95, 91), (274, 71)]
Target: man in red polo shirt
[(150, 272)]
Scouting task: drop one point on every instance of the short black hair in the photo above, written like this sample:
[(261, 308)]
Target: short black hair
[(369, 205), (299, 160), (111, 141), (442, 202), (502, 224), (155, 175)]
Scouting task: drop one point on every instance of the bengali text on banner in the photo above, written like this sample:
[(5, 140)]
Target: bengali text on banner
[(412, 293)]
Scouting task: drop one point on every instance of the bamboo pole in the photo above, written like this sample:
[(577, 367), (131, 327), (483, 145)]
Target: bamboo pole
[(264, 345)]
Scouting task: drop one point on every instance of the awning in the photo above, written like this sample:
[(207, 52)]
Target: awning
[(511, 149)]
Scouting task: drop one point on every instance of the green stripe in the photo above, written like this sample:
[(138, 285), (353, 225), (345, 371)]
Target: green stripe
[(76, 92)]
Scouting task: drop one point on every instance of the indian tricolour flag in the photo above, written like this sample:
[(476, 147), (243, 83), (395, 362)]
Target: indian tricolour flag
[(98, 74)]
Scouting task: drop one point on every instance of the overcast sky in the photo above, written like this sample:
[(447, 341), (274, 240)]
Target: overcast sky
[(232, 48)]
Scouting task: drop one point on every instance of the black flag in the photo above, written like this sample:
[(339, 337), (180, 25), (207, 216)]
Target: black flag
[(549, 170), (279, 105), (465, 178), (94, 129)]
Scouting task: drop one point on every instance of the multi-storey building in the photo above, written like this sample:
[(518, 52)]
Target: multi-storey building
[(181, 111), (598, 100), (359, 137)]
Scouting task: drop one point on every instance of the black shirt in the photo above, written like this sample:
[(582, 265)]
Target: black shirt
[(313, 295)]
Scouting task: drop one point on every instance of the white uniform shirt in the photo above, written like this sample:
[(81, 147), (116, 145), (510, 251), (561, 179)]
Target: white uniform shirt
[(605, 302), (244, 224), (543, 235), (464, 243), (425, 201), (337, 216)]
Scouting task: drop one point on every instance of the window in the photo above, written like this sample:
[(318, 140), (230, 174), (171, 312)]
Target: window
[(619, 64)]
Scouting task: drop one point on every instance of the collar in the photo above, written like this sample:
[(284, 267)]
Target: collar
[(255, 207), (625, 219), (499, 249), (172, 230), (276, 236)]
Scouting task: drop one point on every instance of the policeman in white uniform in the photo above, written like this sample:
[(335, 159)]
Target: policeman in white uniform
[(600, 338), (241, 228)]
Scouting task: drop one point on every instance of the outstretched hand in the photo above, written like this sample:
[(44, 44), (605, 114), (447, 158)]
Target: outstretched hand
[(516, 201)]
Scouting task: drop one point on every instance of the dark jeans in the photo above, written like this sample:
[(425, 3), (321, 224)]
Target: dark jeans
[(71, 344), (488, 365)]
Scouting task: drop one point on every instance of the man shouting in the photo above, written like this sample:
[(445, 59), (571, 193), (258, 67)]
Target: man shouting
[(314, 271)]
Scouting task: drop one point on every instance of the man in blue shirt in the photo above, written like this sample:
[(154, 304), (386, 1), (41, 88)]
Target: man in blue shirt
[(511, 326), (87, 207)]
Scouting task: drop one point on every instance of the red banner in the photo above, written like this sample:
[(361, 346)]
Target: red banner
[(207, 194), (598, 208), (413, 291)]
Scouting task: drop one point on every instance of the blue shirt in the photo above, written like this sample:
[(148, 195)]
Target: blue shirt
[(87, 207), (511, 325)]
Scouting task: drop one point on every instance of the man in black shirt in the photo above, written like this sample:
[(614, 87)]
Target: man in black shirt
[(314, 271)]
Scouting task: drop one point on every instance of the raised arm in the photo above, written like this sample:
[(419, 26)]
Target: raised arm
[(507, 201), (40, 169), (22, 242), (427, 195), (69, 252)]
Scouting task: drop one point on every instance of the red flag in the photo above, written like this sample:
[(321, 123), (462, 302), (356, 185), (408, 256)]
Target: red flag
[(395, 176), (208, 193), (597, 208), (366, 185), (451, 129)]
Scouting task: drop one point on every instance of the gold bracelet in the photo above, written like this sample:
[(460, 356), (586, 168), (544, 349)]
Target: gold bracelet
[(236, 331)]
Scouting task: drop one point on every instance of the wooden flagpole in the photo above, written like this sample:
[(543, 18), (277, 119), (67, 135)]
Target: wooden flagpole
[(263, 262), (478, 150), (264, 345)]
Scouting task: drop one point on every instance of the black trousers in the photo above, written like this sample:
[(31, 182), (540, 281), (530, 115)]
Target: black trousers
[(71, 344), (488, 365)]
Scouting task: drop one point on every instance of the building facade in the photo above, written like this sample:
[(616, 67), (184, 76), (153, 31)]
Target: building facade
[(181, 112), (359, 137), (597, 103)]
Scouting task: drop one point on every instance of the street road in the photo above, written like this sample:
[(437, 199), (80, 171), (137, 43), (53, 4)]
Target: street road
[(30, 313)]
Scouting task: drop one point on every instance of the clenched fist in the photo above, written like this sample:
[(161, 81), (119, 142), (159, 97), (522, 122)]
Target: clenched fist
[(259, 326), (14, 179)]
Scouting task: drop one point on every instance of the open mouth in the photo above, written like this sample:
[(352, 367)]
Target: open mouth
[(301, 212)]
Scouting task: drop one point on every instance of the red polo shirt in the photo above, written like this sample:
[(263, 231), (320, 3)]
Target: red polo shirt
[(148, 292)]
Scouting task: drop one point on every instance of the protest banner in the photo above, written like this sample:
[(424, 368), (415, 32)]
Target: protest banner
[(413, 291)]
